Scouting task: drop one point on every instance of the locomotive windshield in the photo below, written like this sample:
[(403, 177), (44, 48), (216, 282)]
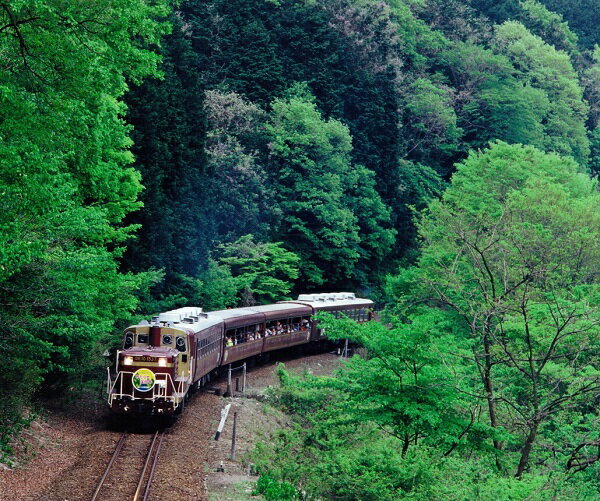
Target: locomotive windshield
[(180, 343), (142, 338)]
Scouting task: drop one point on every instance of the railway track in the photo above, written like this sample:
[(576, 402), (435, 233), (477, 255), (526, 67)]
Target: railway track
[(133, 462)]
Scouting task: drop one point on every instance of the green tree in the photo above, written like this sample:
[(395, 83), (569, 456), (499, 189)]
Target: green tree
[(169, 135), (65, 179), (215, 288), (236, 185), (512, 248), (321, 194), (411, 383), (348, 53), (376, 237), (310, 161), (550, 70), (484, 383), (494, 104), (263, 272), (583, 18), (591, 81), (432, 120), (549, 26)]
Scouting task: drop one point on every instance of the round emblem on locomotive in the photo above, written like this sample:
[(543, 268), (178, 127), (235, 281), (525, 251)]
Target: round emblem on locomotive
[(143, 380)]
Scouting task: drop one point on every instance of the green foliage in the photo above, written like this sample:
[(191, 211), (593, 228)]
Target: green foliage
[(433, 120), (500, 106), (331, 452), (411, 382), (321, 194), (498, 250), (483, 383), (582, 16), (246, 272), (65, 181), (595, 152), (549, 18), (549, 26), (19, 380), (234, 134), (167, 115), (322, 129), (550, 70), (274, 490), (345, 52), (415, 82), (264, 271), (214, 289)]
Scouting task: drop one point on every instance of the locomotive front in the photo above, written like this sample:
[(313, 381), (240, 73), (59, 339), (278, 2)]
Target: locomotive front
[(152, 374)]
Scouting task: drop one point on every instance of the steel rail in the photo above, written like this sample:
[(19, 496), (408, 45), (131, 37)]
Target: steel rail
[(118, 448), (152, 453), (152, 470)]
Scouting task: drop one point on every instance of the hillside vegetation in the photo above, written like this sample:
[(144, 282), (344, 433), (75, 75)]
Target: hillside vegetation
[(437, 156)]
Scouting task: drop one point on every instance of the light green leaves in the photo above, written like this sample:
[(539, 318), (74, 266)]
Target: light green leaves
[(65, 180), (330, 209)]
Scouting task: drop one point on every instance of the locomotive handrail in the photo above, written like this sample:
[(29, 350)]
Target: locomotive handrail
[(109, 381), (158, 391)]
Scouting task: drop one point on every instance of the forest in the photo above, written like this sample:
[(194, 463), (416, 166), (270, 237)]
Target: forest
[(439, 157)]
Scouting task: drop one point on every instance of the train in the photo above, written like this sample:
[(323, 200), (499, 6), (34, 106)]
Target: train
[(162, 361)]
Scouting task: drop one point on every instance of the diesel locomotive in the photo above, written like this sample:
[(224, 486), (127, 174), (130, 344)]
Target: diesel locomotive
[(163, 360)]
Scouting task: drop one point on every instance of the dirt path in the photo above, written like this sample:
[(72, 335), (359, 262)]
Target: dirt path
[(256, 420), (67, 454)]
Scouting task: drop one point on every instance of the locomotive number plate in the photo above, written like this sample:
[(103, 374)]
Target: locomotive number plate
[(144, 358)]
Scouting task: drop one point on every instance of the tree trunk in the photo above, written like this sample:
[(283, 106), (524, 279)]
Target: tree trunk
[(527, 449), (405, 444), (489, 388)]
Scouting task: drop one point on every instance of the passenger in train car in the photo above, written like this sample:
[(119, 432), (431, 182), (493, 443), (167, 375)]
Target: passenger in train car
[(229, 342)]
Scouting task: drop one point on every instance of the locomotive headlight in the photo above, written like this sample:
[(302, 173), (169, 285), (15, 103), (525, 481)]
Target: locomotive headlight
[(128, 361), (162, 362)]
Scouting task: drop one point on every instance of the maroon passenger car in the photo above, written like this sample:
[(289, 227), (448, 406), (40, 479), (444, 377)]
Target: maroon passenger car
[(163, 360)]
